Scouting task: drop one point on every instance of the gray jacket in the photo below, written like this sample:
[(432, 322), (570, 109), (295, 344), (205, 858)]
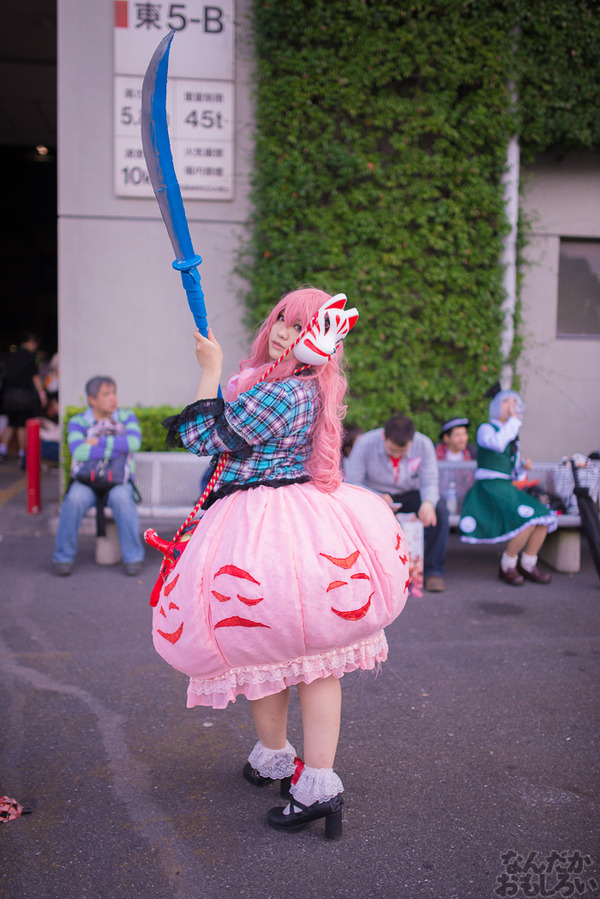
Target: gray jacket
[(368, 465)]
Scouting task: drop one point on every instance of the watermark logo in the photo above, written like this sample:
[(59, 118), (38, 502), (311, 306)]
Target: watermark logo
[(558, 874)]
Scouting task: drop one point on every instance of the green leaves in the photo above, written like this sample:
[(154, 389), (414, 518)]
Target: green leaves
[(381, 137)]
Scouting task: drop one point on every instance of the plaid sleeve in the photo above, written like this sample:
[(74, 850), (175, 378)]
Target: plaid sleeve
[(271, 411), (265, 413)]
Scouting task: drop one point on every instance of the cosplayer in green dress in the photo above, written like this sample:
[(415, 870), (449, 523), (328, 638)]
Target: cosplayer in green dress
[(494, 510)]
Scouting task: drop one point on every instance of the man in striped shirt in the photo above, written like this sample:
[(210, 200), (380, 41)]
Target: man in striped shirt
[(102, 432)]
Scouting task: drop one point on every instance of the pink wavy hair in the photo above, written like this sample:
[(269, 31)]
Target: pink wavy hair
[(301, 305)]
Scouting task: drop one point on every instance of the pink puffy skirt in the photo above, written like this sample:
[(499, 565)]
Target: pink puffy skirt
[(279, 586)]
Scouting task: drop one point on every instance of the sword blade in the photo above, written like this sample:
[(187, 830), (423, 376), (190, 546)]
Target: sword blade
[(157, 152)]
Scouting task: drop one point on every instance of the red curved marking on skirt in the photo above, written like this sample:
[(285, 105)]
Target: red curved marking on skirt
[(156, 590), (346, 562), (172, 606), (171, 584), (162, 612), (403, 559), (360, 577), (406, 584), (236, 572), (248, 601), (236, 621), (172, 638), (220, 596), (355, 614), (335, 584), (398, 540)]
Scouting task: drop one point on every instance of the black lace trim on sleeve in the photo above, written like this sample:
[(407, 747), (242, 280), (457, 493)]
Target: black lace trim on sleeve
[(213, 407), (233, 441)]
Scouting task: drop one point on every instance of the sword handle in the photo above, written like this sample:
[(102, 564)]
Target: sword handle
[(190, 278)]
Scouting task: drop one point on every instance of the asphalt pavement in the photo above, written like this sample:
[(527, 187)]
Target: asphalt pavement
[(470, 761)]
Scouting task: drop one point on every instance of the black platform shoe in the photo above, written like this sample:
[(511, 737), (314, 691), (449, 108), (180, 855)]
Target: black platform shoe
[(253, 777), (331, 810)]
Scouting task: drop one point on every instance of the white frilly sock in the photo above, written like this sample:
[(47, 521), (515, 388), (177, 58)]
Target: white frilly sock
[(508, 562), (275, 763), (315, 785), (528, 562)]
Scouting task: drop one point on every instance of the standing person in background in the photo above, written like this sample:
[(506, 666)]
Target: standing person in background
[(399, 464), (50, 431), (495, 510), (102, 432), (23, 394), (51, 378)]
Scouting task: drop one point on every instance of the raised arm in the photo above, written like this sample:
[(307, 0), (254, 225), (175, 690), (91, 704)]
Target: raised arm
[(210, 358)]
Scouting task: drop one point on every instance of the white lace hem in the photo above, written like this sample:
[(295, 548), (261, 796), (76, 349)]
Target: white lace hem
[(550, 521), (275, 763), (257, 681), (316, 785)]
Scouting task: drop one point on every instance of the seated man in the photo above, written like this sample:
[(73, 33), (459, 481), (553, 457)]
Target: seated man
[(399, 463), (101, 432), (455, 446)]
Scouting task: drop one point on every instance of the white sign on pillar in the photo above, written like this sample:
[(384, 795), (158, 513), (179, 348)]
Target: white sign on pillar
[(200, 94)]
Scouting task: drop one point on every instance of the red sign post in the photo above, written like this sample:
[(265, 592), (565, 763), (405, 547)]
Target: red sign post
[(33, 465)]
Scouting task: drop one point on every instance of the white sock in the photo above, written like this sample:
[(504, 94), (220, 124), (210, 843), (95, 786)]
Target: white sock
[(275, 763), (508, 562), (528, 562), (315, 785)]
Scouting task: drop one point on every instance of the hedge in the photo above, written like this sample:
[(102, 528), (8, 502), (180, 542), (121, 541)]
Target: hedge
[(381, 138)]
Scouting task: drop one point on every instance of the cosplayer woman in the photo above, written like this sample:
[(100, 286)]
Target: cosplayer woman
[(494, 509), (290, 576)]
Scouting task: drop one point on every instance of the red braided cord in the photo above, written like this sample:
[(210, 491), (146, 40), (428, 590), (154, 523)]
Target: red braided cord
[(207, 490)]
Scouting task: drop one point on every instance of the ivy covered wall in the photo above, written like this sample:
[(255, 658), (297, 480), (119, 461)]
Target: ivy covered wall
[(381, 138)]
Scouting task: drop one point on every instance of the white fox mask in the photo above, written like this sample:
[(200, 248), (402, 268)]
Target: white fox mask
[(333, 322)]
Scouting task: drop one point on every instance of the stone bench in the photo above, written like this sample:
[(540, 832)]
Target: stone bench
[(169, 484)]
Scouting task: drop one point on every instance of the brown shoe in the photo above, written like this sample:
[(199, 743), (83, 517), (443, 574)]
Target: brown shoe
[(511, 576), (434, 583), (535, 575)]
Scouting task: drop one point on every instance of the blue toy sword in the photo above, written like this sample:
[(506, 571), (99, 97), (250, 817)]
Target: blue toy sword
[(159, 159)]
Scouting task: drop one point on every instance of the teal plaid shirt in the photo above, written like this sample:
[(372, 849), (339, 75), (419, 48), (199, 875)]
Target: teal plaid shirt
[(266, 431)]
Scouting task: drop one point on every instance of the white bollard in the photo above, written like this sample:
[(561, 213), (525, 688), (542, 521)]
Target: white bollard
[(108, 549)]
